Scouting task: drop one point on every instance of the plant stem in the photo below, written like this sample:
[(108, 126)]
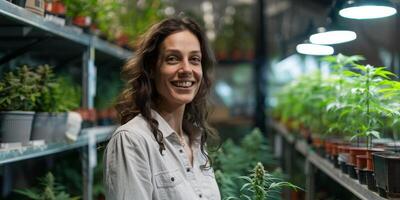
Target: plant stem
[(367, 103)]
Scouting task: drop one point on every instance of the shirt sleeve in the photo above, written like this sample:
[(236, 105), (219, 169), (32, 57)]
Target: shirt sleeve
[(127, 173)]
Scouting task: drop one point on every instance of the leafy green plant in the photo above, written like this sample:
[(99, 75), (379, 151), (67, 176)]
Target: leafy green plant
[(364, 104), (18, 90), (333, 117), (51, 190), (106, 17), (56, 94), (80, 7), (136, 16), (261, 185), (232, 161)]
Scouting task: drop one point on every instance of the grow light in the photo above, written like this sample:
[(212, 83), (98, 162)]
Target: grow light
[(333, 37), (367, 9), (314, 49)]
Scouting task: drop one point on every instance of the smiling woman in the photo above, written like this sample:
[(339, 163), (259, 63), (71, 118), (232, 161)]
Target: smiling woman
[(158, 152)]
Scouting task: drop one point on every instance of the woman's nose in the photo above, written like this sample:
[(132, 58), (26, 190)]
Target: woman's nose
[(185, 67)]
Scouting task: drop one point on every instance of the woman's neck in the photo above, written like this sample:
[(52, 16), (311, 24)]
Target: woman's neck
[(174, 117)]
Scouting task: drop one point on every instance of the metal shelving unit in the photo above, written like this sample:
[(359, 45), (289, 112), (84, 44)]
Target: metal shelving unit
[(18, 16), (101, 134), (24, 32), (314, 161)]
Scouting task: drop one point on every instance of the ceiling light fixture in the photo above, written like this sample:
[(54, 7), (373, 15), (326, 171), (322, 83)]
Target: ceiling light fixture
[(325, 37), (367, 9), (314, 49)]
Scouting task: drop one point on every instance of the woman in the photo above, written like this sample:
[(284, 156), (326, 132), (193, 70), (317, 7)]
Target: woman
[(159, 151)]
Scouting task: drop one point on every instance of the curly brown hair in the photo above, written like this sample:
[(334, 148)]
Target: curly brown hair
[(140, 95)]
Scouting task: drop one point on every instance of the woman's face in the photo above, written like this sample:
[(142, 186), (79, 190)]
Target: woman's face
[(179, 72)]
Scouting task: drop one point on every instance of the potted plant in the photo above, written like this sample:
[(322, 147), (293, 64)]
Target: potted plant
[(56, 98), (81, 12), (365, 108), (387, 164), (18, 97), (55, 11)]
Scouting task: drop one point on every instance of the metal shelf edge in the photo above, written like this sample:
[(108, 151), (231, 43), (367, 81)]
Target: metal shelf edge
[(22, 15), (111, 49), (102, 134), (353, 186)]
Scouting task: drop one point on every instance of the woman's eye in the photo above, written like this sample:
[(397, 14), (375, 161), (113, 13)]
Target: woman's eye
[(172, 59), (195, 60)]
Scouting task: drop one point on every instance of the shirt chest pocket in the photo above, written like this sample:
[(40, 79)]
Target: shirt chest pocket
[(169, 184)]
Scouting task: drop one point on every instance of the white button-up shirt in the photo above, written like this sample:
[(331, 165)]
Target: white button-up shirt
[(135, 169)]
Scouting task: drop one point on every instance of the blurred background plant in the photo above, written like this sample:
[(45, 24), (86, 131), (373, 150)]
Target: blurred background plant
[(50, 190), (233, 161)]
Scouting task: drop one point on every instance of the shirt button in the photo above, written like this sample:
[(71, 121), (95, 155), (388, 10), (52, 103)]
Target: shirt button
[(200, 195), (172, 179), (187, 169), (180, 150)]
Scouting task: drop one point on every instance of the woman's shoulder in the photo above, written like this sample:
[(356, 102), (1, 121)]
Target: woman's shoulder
[(136, 128)]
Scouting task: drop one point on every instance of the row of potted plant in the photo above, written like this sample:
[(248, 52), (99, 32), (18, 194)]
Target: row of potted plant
[(34, 105), (345, 113), (117, 21)]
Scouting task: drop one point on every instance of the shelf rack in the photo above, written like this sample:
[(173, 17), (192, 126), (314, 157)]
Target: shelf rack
[(21, 17), (101, 134), (314, 161), (24, 32)]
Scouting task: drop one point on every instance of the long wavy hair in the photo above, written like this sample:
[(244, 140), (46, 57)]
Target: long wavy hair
[(140, 95)]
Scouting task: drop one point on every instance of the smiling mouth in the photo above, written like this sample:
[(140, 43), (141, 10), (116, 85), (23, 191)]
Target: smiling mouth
[(183, 84)]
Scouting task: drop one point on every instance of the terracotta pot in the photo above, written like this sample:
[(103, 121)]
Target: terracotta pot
[(355, 151), (56, 8), (317, 142), (82, 21), (361, 161), (344, 148), (122, 39), (328, 145)]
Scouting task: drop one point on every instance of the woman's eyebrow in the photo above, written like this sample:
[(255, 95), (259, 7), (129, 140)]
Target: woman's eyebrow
[(178, 51)]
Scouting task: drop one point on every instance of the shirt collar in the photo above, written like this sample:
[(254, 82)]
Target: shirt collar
[(167, 131)]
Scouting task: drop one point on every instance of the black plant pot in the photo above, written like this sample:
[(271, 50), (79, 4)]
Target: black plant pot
[(321, 151), (387, 172), (336, 162), (352, 171), (382, 192), (371, 183), (362, 176), (343, 167), (19, 2)]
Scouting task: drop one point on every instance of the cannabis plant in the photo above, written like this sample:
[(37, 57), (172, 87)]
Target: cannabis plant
[(232, 161), (333, 117), (365, 106), (261, 185), (56, 94), (18, 90), (50, 190)]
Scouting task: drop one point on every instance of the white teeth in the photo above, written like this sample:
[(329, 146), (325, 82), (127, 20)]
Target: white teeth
[(183, 83)]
